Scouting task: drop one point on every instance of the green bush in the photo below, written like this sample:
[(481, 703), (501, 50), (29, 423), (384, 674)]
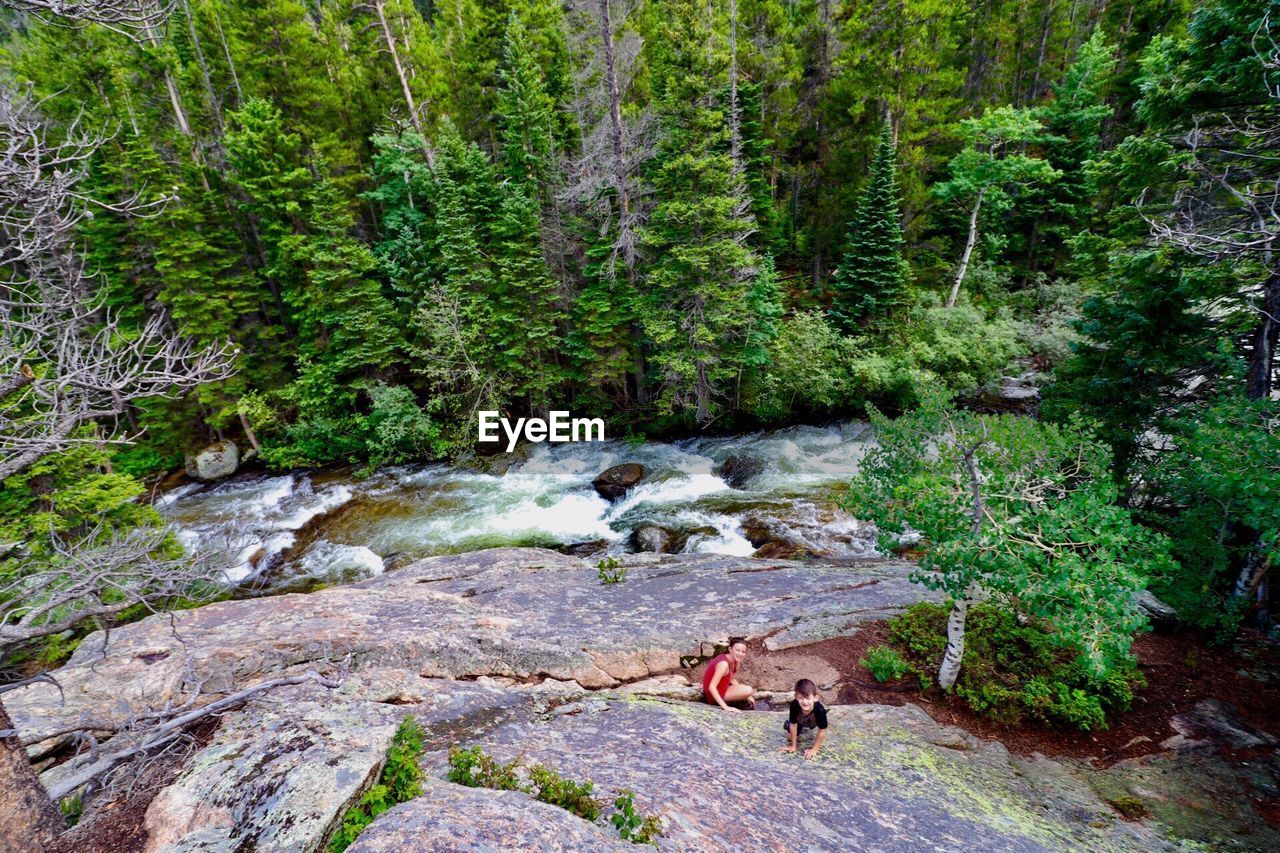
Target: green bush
[(610, 571), (552, 788), (963, 346), (885, 663), (398, 783), (475, 768), (632, 826), (1014, 672)]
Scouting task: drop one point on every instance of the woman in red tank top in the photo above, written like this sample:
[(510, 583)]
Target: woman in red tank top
[(720, 684)]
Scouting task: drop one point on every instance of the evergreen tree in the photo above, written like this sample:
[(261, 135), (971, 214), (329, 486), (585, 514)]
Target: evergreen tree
[(872, 281), (695, 306)]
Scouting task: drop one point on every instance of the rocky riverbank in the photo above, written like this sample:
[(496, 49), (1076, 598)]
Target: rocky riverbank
[(525, 652)]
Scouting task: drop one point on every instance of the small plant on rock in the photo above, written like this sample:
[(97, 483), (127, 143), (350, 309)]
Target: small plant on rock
[(552, 788), (475, 768), (398, 783), (885, 663), (631, 826), (610, 570)]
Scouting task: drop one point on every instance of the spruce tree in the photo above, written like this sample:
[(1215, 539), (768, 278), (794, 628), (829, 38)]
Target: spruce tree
[(871, 285), (695, 306)]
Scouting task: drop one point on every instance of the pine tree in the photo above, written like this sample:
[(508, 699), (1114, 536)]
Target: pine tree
[(525, 112), (695, 305), (871, 285)]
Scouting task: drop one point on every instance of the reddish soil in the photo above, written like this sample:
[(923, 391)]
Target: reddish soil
[(1180, 671)]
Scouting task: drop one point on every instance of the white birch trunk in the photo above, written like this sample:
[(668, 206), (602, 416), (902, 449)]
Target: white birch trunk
[(968, 249)]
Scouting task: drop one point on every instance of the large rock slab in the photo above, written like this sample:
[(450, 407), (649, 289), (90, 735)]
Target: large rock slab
[(525, 613), (887, 779), (453, 817), (281, 773)]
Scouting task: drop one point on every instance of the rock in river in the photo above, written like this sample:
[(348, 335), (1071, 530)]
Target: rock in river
[(614, 482), (215, 462)]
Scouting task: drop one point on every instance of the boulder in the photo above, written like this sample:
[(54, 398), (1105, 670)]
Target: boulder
[(614, 482), (738, 470), (1162, 616), (593, 548), (218, 460), (652, 538)]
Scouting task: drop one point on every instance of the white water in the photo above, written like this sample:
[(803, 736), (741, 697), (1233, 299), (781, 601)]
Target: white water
[(404, 512)]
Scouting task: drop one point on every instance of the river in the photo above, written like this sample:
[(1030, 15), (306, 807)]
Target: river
[(278, 532)]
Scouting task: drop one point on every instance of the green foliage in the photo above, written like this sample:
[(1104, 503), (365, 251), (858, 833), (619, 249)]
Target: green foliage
[(806, 368), (632, 826), (611, 571), (475, 768), (1015, 670), (575, 797), (962, 346), (1023, 510), (871, 283), (399, 782), (1223, 480), (885, 663)]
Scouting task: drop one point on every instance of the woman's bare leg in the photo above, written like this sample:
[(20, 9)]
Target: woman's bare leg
[(739, 693)]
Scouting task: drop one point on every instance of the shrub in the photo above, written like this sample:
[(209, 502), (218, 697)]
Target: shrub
[(475, 768), (885, 663), (398, 783), (610, 570), (1014, 672), (631, 826), (552, 788)]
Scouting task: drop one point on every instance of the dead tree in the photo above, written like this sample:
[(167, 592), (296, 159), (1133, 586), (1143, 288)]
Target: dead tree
[(64, 365), (614, 147)]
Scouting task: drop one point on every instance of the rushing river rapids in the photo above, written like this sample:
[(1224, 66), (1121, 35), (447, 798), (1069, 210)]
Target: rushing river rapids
[(275, 532)]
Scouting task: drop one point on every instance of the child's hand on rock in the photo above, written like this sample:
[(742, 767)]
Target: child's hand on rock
[(787, 749), (811, 752)]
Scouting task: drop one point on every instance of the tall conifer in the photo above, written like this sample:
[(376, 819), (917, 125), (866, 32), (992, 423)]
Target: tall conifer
[(871, 285)]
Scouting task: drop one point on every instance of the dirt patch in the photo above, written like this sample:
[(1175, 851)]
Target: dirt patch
[(827, 662), (1180, 671), (114, 820)]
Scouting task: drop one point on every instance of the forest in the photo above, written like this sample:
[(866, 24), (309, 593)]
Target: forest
[(680, 217), (335, 231)]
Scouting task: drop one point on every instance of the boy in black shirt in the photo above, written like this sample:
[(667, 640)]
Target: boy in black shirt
[(806, 713)]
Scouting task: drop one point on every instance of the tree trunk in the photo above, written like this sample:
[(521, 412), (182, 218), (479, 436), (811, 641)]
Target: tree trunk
[(950, 669), (226, 50), (735, 118), (954, 655), (968, 250), (29, 820), (380, 9), (615, 127), (214, 102), (249, 434), (1264, 340)]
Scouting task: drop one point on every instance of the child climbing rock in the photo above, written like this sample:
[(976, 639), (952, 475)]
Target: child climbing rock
[(806, 712)]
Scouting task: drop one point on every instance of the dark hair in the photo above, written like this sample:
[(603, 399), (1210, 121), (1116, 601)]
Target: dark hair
[(733, 641), (805, 687)]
